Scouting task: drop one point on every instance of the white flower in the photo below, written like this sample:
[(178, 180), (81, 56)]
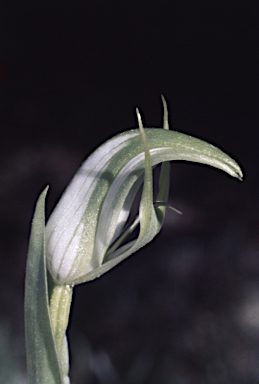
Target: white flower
[(81, 232)]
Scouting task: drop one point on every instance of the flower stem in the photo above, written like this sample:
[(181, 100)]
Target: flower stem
[(60, 302)]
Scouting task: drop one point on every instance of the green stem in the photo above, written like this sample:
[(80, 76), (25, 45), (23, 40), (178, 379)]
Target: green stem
[(60, 302)]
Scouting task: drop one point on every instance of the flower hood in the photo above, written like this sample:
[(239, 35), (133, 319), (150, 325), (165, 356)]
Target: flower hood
[(85, 232)]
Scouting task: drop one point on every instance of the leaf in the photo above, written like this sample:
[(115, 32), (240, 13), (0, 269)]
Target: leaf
[(42, 360)]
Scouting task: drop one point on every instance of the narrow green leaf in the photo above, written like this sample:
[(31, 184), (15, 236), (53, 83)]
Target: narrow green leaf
[(42, 360)]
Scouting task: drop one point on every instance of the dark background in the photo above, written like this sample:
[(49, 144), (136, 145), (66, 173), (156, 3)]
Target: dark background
[(184, 310)]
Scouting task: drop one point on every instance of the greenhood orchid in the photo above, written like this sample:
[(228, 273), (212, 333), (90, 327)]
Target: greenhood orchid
[(82, 231), (86, 235)]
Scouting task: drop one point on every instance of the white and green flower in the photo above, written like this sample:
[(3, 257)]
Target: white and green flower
[(85, 232)]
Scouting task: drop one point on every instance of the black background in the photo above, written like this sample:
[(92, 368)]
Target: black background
[(186, 308)]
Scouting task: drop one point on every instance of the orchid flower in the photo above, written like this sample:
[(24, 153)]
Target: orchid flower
[(94, 209), (86, 234)]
